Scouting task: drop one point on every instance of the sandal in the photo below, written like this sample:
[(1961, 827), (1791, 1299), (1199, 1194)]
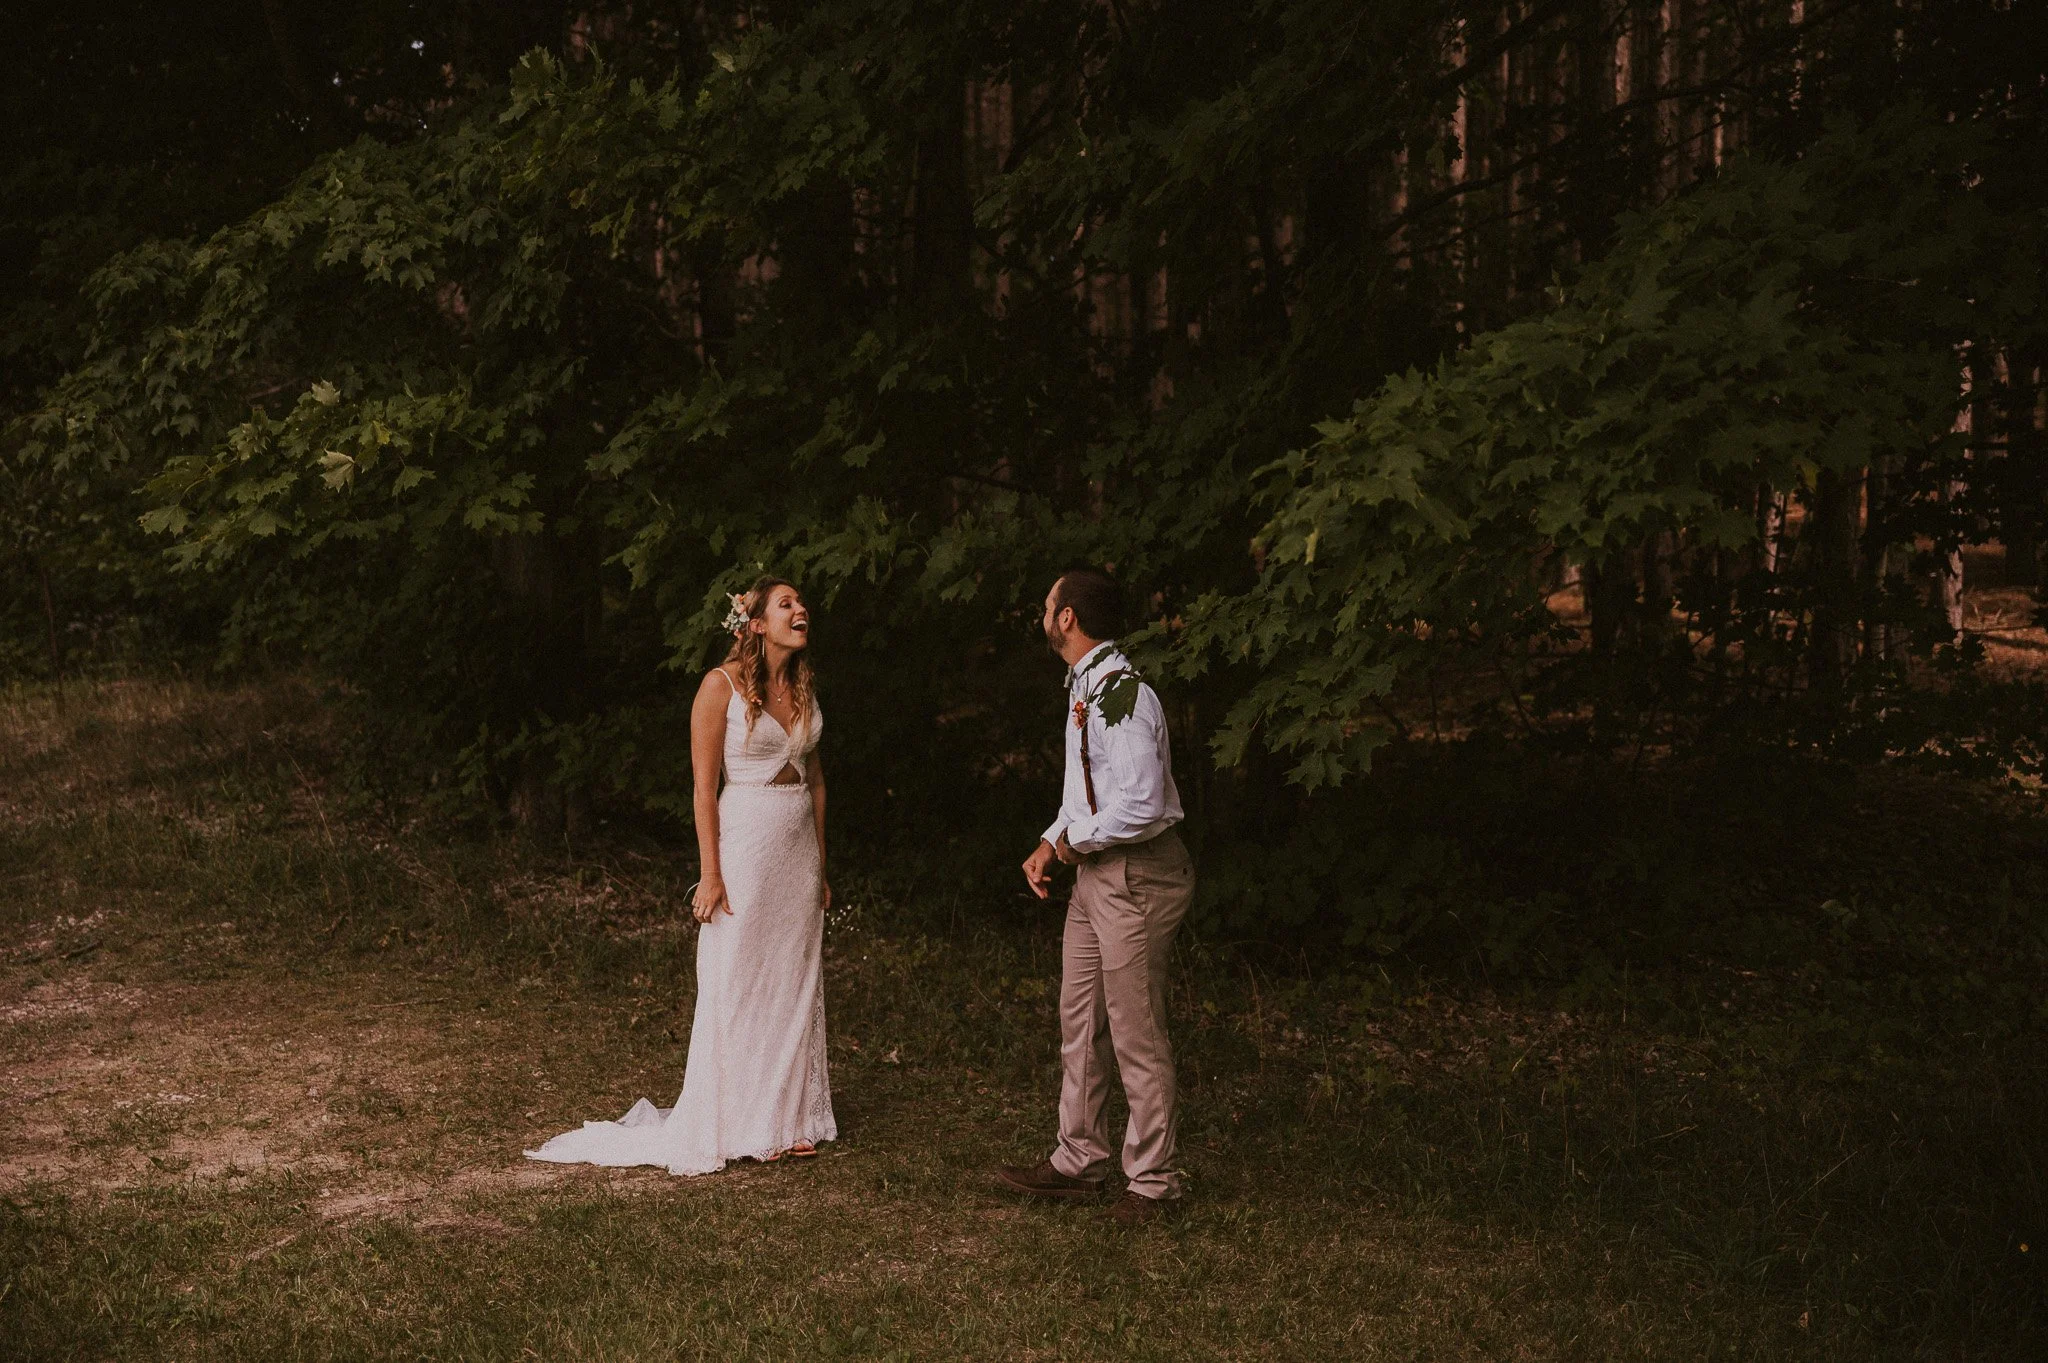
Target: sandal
[(801, 1150)]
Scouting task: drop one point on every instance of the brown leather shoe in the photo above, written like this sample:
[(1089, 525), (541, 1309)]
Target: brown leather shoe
[(1042, 1180), (1135, 1209)]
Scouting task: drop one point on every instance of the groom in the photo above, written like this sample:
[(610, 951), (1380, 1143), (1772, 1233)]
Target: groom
[(1132, 885)]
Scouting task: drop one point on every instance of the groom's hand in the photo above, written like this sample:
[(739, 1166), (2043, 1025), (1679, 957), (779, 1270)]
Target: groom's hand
[(1064, 850), (1038, 869)]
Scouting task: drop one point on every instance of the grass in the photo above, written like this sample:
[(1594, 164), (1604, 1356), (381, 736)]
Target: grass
[(269, 1058)]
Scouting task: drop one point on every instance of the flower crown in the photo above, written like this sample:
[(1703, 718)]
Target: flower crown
[(736, 619)]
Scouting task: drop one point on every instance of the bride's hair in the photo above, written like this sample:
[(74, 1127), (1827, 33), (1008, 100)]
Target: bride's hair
[(750, 652)]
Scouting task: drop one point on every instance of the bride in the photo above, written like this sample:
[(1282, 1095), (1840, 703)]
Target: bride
[(755, 1084)]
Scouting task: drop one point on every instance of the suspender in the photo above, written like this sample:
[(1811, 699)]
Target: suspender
[(1102, 689), (1087, 766)]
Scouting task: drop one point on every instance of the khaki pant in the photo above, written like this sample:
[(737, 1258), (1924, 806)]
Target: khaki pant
[(1127, 904)]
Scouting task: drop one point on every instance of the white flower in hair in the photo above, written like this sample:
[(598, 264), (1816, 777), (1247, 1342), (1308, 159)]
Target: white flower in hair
[(736, 619)]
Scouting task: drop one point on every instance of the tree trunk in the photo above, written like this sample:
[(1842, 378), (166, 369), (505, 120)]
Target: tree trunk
[(818, 268), (1770, 529), (1948, 569), (942, 219), (2026, 474), (1143, 366), (717, 313), (1611, 600), (1660, 582), (1948, 548), (550, 586), (1883, 564), (1831, 536), (50, 622), (1272, 295)]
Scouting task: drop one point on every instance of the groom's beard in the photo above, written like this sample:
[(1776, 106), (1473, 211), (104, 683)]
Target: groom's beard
[(1055, 641)]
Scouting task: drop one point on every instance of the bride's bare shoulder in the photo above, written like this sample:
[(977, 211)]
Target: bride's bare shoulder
[(717, 684)]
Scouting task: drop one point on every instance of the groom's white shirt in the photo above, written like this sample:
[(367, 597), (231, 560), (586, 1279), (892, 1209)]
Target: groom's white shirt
[(1132, 763)]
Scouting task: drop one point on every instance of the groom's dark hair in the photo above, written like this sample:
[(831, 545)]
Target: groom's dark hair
[(1095, 599)]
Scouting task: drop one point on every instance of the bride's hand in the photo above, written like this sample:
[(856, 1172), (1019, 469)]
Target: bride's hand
[(828, 897), (709, 899)]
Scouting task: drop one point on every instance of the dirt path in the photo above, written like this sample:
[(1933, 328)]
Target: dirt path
[(380, 1091)]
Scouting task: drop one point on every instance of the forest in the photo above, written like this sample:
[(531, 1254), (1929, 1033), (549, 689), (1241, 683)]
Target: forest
[(1579, 469)]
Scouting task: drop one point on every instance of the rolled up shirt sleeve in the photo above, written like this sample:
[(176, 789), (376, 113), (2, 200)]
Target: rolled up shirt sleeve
[(1136, 797)]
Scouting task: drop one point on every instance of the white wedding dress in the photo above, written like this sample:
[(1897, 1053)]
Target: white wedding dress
[(755, 1083)]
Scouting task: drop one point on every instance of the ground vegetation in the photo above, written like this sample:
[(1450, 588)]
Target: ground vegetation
[(268, 1061)]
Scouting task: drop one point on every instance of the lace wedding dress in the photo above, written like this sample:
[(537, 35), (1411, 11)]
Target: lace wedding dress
[(755, 1083)]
